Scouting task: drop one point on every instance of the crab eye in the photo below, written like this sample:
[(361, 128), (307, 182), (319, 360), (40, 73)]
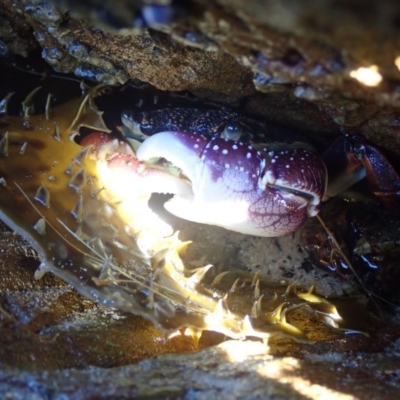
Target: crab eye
[(133, 127), (128, 119), (235, 131)]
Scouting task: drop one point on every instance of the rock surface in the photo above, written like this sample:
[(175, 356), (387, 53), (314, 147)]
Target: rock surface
[(305, 64), (232, 370)]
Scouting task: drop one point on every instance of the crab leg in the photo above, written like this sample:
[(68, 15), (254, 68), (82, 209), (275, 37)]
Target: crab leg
[(382, 178), (352, 158)]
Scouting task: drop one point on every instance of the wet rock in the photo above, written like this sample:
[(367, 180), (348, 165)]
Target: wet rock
[(231, 370), (226, 51)]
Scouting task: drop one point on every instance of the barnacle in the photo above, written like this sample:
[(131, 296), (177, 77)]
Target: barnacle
[(53, 194)]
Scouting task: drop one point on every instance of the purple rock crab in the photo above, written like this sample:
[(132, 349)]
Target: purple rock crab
[(72, 203), (247, 180)]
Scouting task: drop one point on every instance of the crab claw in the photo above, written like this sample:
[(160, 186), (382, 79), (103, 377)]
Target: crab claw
[(237, 187)]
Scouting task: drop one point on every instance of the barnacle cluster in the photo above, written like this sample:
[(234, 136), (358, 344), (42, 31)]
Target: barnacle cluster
[(52, 192)]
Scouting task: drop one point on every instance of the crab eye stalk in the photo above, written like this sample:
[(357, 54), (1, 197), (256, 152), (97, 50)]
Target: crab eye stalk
[(235, 131), (132, 128)]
